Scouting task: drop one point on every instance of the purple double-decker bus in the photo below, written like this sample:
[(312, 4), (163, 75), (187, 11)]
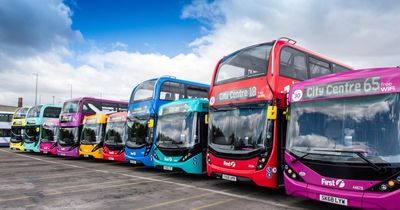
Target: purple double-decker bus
[(71, 119), (343, 139)]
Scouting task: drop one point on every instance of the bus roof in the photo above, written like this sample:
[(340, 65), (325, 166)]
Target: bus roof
[(289, 42), (348, 84), (184, 106), (95, 99), (314, 53), (96, 119), (172, 78)]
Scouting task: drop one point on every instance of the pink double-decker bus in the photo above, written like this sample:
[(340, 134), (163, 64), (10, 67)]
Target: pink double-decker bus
[(71, 119), (48, 143), (343, 139)]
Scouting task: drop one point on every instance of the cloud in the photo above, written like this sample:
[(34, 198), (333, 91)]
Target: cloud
[(362, 34), (31, 27)]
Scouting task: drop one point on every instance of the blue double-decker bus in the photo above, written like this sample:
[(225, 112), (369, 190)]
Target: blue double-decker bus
[(146, 98)]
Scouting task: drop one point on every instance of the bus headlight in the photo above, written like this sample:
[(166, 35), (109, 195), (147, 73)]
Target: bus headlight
[(147, 150), (388, 185), (187, 156), (383, 187), (292, 174), (208, 158), (155, 156), (262, 161)]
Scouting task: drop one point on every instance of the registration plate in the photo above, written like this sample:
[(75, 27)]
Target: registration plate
[(168, 168), (133, 161), (44, 152), (86, 156), (335, 200), (229, 177), (110, 158), (62, 154)]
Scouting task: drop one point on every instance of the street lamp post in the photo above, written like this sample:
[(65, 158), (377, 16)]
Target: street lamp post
[(36, 86)]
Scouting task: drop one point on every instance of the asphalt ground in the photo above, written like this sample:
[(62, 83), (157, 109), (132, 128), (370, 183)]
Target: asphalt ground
[(36, 181)]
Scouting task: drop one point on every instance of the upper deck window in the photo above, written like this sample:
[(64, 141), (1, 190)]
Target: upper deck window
[(70, 107), (144, 91), (318, 68), (51, 112), (293, 64), (171, 91), (336, 68), (246, 63), (196, 92), (21, 113), (5, 117), (34, 111)]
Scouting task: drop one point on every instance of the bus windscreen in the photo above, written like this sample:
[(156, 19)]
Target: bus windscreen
[(365, 124)]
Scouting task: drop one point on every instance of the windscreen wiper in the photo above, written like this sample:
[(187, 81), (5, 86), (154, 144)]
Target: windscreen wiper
[(301, 157), (359, 154)]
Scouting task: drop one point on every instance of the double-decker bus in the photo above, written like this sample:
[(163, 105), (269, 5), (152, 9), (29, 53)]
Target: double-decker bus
[(48, 142), (343, 139), (116, 135), (71, 119), (5, 128), (34, 120), (18, 129), (182, 136), (146, 98), (247, 104), (92, 139)]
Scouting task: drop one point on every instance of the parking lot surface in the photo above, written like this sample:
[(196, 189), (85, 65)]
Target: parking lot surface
[(36, 181)]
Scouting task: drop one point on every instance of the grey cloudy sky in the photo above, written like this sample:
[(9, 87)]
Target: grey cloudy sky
[(35, 36)]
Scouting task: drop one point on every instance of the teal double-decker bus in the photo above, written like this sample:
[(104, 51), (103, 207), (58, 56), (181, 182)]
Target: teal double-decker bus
[(34, 120), (182, 128)]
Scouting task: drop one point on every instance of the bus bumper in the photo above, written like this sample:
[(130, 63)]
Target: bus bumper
[(31, 147), (193, 165), (68, 151), (356, 199), (265, 177), (87, 151), (17, 146), (48, 148), (114, 155), (136, 156)]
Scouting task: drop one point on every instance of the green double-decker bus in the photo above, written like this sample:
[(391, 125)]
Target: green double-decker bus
[(182, 136)]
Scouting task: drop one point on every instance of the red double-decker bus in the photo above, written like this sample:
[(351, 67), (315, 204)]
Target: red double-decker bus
[(247, 122)]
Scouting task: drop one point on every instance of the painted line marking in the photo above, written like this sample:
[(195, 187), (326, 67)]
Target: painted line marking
[(179, 200), (164, 181), (213, 204), (221, 202), (173, 201)]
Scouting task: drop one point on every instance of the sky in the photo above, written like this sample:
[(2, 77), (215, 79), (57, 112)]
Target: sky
[(104, 48)]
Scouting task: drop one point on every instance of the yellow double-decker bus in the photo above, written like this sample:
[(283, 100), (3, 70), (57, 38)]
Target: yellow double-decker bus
[(92, 138), (18, 129)]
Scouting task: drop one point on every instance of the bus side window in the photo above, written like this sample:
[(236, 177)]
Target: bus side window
[(336, 68), (196, 92), (52, 112), (122, 107), (318, 68), (172, 91), (91, 107), (111, 107), (293, 64)]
